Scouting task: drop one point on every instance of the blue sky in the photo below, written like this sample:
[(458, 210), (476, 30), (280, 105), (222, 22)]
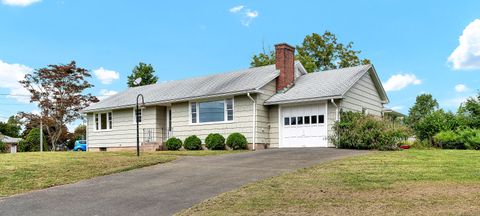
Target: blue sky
[(409, 42)]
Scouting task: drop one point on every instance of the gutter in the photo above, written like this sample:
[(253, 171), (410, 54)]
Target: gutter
[(337, 118), (254, 123), (162, 103)]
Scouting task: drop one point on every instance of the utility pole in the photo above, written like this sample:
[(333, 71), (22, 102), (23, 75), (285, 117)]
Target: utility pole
[(41, 135)]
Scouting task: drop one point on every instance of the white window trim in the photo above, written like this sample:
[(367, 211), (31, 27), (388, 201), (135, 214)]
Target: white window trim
[(134, 117), (225, 117), (95, 123)]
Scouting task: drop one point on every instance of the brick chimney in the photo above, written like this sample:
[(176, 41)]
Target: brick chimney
[(285, 57)]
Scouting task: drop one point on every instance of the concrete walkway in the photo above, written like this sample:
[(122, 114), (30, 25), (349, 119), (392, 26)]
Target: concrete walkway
[(166, 188)]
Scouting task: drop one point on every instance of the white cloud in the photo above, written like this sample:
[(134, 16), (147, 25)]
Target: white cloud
[(104, 93), (400, 81), (106, 76), (461, 88), (467, 54), (236, 9), (20, 3), (10, 74), (247, 15)]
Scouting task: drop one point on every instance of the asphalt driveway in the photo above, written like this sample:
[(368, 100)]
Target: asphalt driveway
[(166, 188)]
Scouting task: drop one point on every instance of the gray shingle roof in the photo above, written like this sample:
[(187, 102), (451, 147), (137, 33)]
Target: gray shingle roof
[(237, 82), (321, 85), (9, 140)]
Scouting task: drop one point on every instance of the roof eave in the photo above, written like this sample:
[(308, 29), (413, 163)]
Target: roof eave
[(303, 100), (174, 101)]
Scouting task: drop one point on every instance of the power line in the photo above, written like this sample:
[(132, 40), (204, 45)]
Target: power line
[(15, 95)]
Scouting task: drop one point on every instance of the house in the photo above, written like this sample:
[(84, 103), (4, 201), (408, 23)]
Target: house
[(274, 106), (11, 143)]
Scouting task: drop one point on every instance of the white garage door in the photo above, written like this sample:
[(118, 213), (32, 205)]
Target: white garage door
[(304, 126)]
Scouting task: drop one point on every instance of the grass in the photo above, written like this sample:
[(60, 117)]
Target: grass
[(22, 172), (412, 182)]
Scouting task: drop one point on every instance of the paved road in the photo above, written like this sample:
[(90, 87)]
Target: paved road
[(166, 188)]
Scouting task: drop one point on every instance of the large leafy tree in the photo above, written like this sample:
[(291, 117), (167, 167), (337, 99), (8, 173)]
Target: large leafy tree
[(11, 128), (144, 71), (318, 52), (424, 105), (469, 112), (58, 90)]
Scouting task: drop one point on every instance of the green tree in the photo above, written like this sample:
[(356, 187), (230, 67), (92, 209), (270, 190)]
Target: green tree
[(11, 128), (144, 71), (424, 105), (469, 112), (32, 142), (3, 147), (318, 52), (434, 123)]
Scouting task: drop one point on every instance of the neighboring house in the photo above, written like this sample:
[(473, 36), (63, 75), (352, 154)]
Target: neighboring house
[(274, 106), (10, 142)]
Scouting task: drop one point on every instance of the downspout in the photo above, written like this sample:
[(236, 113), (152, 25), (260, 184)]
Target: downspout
[(254, 123), (336, 110)]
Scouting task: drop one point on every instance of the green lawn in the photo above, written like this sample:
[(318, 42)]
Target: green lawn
[(22, 172), (412, 182)]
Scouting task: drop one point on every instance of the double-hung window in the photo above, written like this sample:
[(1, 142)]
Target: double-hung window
[(103, 121), (212, 111)]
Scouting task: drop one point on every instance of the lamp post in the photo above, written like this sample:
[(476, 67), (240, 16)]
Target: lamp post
[(137, 112)]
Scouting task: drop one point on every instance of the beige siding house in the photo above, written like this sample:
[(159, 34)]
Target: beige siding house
[(274, 106)]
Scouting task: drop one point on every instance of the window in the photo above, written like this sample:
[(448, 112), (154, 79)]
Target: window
[(212, 111), (286, 121), (96, 120), (229, 104), (314, 119), (300, 120), (321, 119), (307, 119), (193, 111), (140, 112), (293, 120), (103, 121)]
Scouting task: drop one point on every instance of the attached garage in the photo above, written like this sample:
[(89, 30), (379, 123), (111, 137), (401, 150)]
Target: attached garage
[(303, 126)]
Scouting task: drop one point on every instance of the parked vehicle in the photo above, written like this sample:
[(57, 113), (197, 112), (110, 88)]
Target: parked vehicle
[(80, 145)]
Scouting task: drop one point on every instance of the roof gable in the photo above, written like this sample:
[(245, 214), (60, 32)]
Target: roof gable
[(328, 84)]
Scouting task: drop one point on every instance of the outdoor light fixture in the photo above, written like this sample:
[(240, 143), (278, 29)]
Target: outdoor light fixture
[(137, 112)]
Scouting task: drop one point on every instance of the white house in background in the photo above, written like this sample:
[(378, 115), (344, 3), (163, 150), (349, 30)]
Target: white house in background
[(274, 106)]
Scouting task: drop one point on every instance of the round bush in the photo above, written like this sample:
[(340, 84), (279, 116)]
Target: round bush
[(173, 144), (192, 143), (215, 141), (237, 141)]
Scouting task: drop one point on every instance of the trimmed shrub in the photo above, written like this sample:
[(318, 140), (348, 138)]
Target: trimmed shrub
[(237, 141), (215, 141), (358, 131), (173, 144), (192, 143)]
